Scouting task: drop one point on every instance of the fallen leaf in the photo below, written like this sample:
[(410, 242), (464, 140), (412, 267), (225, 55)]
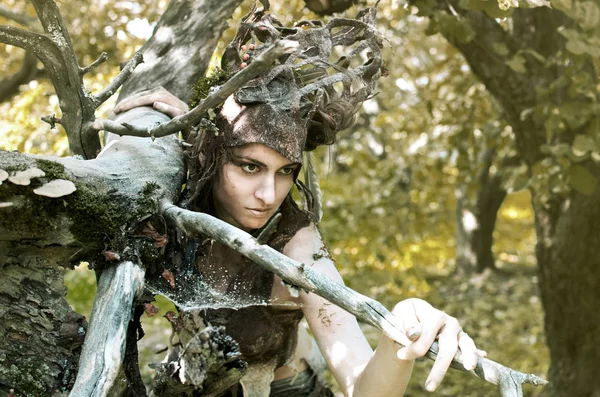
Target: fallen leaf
[(112, 256), (150, 309), (150, 231), (168, 275)]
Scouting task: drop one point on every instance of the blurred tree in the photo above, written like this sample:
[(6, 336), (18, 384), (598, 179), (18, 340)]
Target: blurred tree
[(541, 64)]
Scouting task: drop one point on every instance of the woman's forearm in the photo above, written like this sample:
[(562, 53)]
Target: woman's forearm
[(384, 375)]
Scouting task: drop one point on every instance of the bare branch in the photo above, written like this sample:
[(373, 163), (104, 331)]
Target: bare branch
[(104, 347), (114, 85), (101, 59), (189, 119), (22, 19), (10, 85), (22, 38), (364, 308)]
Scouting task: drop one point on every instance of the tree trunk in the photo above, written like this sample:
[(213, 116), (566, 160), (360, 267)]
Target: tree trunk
[(476, 222), (568, 260)]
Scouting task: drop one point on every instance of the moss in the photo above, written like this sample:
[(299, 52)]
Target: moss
[(96, 215), (53, 170), (201, 89), (15, 168), (146, 203)]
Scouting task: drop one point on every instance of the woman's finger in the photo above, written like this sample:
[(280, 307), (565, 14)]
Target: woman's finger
[(169, 110), (448, 346), (468, 350), (405, 311)]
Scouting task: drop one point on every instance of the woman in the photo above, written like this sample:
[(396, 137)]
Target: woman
[(243, 175)]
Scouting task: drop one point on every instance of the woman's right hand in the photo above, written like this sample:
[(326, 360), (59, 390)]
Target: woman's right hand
[(160, 100)]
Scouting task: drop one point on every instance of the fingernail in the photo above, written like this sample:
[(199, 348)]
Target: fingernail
[(401, 354), (414, 332), (430, 385)]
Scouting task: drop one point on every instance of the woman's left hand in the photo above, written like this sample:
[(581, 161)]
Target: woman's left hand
[(424, 324), (159, 98)]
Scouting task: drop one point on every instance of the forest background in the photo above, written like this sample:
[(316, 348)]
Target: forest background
[(405, 190)]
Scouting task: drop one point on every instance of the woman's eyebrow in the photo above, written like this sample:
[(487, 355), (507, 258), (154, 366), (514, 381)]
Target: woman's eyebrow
[(258, 162)]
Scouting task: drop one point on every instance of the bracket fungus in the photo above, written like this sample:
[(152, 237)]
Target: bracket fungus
[(24, 178), (56, 188)]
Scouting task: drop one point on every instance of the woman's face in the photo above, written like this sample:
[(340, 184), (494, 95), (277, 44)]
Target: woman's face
[(251, 186)]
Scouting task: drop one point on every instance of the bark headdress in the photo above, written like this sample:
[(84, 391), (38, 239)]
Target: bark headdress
[(305, 98)]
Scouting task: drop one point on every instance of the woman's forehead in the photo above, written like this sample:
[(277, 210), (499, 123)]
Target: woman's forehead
[(262, 153)]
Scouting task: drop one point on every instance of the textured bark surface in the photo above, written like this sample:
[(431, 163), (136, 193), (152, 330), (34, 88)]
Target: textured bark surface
[(567, 252), (40, 335), (179, 51)]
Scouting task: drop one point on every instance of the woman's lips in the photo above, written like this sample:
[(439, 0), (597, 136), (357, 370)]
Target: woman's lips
[(259, 212)]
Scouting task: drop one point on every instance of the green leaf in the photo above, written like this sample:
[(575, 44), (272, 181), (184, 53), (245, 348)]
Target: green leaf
[(562, 5), (582, 180), (587, 15), (581, 145), (517, 63), (576, 114), (576, 47), (500, 49)]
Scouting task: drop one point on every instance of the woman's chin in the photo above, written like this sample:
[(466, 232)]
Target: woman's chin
[(254, 224)]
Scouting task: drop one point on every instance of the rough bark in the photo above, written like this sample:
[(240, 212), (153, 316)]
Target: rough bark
[(568, 260), (178, 53)]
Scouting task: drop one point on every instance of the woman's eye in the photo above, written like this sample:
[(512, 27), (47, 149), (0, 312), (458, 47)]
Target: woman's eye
[(250, 168), (287, 171)]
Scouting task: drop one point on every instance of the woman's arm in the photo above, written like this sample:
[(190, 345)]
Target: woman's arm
[(358, 370)]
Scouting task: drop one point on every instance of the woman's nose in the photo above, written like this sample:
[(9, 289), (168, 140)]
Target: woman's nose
[(266, 190)]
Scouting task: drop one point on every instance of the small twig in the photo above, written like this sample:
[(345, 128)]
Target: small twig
[(101, 59), (109, 125), (118, 81), (52, 120)]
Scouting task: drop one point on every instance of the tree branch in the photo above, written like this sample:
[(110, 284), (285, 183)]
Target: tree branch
[(302, 276), (177, 54), (22, 19), (104, 347), (10, 86), (118, 81), (101, 59), (189, 119)]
